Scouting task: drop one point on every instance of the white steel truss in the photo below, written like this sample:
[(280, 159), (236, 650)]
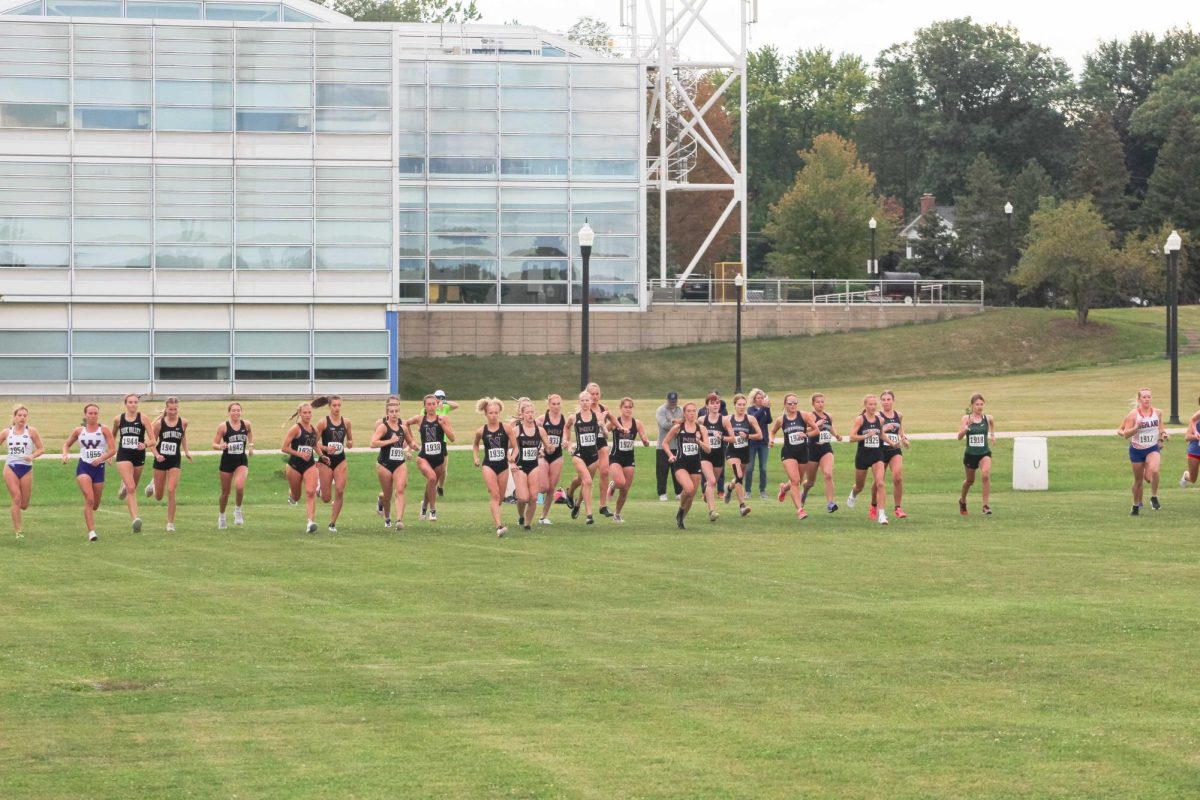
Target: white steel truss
[(676, 26)]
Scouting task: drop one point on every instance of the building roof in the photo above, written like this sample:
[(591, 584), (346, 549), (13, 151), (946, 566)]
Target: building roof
[(945, 214), (241, 10)]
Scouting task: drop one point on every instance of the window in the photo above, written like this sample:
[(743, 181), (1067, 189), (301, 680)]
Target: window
[(110, 369), (244, 12), (212, 368), (192, 342), (33, 342), (83, 8), (271, 342), (271, 369), (352, 369), (351, 343), (173, 10)]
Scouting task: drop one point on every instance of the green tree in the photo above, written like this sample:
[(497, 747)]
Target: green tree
[(1028, 188), (891, 133), (455, 11), (592, 33), (1100, 173), (937, 252), (1070, 249), (820, 224), (982, 228), (1174, 195), (1175, 94)]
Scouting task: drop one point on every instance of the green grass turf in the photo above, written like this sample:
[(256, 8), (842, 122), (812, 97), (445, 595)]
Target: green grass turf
[(1047, 651)]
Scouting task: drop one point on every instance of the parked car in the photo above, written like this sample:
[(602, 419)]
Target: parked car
[(696, 287)]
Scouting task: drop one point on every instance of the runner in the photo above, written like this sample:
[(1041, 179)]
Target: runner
[(528, 471), (235, 440), (1143, 426), (605, 419), (693, 440), (712, 461), (435, 431), (820, 453), (169, 433), (867, 431), (24, 445), (302, 448), (498, 442), (740, 430), (131, 429), (584, 425), (391, 466), (96, 446), (1193, 453), (554, 424), (894, 438), (796, 425), (621, 466), (444, 407), (979, 430), (336, 438)]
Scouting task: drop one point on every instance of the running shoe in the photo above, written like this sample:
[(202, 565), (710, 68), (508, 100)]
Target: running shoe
[(441, 491), (387, 522), (399, 524), (501, 531), (433, 515), (678, 519), (617, 518), (149, 490), (123, 493), (900, 513), (713, 516), (662, 498), (729, 491), (221, 522), (424, 512), (987, 511), (783, 490), (292, 501), (544, 521), (762, 495), (604, 512), (850, 500), (882, 517), (1133, 512), (1183, 480), (590, 521), (962, 507), (873, 514), (528, 527), (170, 527), (379, 506), (801, 514), (570, 500), (332, 528), (574, 511), (137, 524), (311, 527), (831, 507), (92, 537), (1154, 504), (743, 509), (520, 521), (20, 535), (238, 519)]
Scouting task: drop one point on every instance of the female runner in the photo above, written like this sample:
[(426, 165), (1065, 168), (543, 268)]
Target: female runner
[(435, 431), (498, 443), (302, 448), (625, 430), (605, 418), (693, 440), (527, 471), (131, 430), (169, 433), (979, 430), (740, 430), (336, 438), (867, 430), (391, 437), (820, 453), (584, 425), (1143, 426), (554, 424), (235, 440), (797, 426), (894, 438), (1193, 453), (712, 461), (24, 445), (96, 446)]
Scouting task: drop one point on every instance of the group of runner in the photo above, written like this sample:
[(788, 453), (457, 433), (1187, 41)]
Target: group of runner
[(523, 455)]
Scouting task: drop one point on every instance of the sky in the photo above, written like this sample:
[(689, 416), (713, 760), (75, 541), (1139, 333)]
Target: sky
[(866, 27)]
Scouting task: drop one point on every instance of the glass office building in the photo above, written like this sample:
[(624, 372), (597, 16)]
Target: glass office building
[(213, 197)]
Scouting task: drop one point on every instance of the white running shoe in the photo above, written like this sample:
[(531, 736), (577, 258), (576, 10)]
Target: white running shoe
[(544, 521), (399, 524), (137, 524), (432, 515), (617, 518), (170, 527), (92, 536), (882, 517), (221, 522), (311, 527), (332, 528), (292, 502), (1183, 480), (121, 495), (662, 498), (237, 516), (850, 500), (503, 529), (713, 516), (149, 490)]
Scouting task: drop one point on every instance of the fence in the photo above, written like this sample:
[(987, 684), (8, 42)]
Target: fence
[(790, 291)]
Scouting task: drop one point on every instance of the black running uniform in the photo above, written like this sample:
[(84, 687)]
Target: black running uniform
[(740, 446), (433, 442), (869, 449), (303, 442), (236, 444), (170, 441), (129, 435), (795, 439), (586, 435), (333, 441), (716, 440), (689, 451), (823, 443), (555, 434), (529, 446), (391, 456), (495, 449), (623, 441), (890, 445)]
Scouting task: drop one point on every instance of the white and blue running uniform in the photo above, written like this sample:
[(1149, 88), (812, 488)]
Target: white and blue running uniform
[(1145, 440), (91, 447), (20, 450)]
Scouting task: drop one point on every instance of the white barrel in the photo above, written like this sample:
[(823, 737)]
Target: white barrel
[(1031, 473)]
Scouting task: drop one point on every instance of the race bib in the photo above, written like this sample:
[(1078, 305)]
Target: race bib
[(739, 440), (825, 437), (795, 438), (16, 449), (690, 448), (893, 439), (976, 440), (625, 445), (396, 453), (304, 450), (495, 454), (554, 440), (334, 448), (433, 448), (529, 453), (587, 440), (871, 441), (714, 438), (1147, 438), (130, 442), (91, 454), (168, 448), (236, 448)]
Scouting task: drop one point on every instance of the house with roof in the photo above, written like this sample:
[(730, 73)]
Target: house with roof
[(911, 232)]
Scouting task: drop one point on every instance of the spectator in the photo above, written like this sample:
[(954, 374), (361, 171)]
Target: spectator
[(666, 416), (760, 409)]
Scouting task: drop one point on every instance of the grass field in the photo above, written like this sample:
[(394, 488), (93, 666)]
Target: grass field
[(1048, 651)]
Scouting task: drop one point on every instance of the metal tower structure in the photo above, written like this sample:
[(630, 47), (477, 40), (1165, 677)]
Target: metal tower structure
[(677, 27)]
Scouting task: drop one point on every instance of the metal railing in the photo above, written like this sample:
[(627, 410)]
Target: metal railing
[(790, 291)]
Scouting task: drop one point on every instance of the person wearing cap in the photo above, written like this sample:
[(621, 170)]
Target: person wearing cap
[(444, 407), (666, 415)]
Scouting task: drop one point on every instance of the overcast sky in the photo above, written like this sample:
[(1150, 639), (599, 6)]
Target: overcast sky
[(866, 27)]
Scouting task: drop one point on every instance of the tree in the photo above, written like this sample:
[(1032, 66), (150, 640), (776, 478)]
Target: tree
[(982, 229), (891, 135), (448, 11), (820, 224), (1029, 187), (1174, 195), (1070, 248), (1100, 173), (592, 33), (937, 252), (1175, 94)]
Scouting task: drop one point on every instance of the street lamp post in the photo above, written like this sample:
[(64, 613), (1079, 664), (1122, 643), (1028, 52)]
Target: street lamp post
[(1172, 252), (873, 265), (586, 237), (1008, 256), (739, 281)]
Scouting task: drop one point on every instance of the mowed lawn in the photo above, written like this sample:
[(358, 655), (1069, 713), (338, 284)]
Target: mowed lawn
[(1047, 651)]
